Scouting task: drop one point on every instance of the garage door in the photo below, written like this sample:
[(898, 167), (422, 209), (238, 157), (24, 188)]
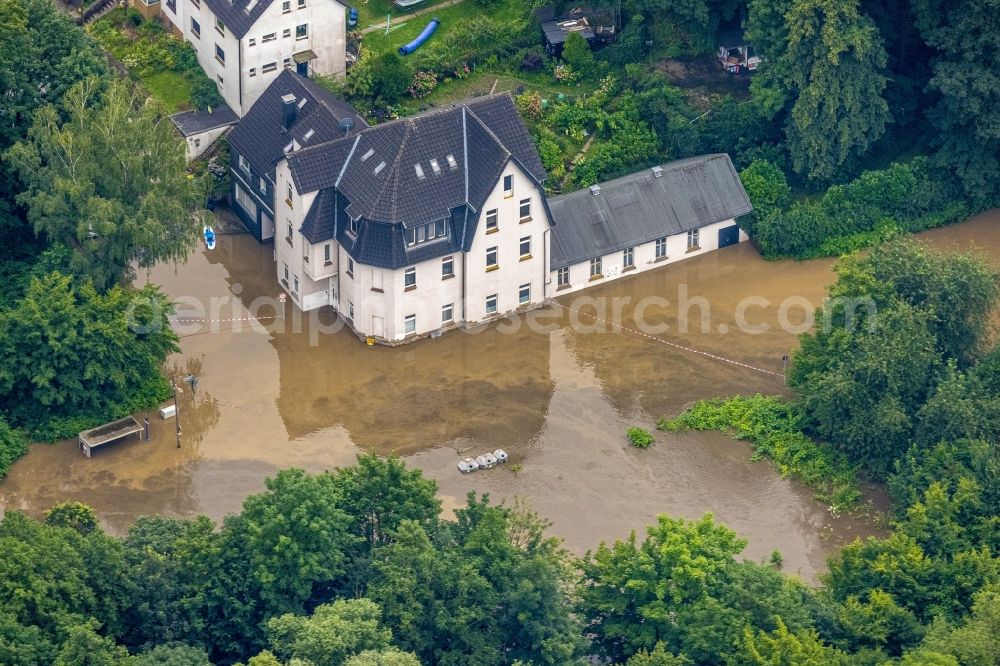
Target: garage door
[(729, 236)]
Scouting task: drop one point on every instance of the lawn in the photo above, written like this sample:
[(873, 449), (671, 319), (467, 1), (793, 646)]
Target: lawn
[(373, 12), (481, 82), (171, 88), (450, 18)]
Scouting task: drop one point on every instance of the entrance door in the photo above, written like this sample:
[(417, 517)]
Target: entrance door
[(729, 236), (266, 226), (378, 326), (302, 68)]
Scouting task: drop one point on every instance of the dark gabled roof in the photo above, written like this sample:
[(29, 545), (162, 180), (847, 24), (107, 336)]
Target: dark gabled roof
[(261, 137), (320, 222), (238, 15), (386, 171), (640, 207), (190, 123)]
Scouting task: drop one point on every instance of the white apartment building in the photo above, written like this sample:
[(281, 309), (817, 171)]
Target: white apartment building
[(244, 44)]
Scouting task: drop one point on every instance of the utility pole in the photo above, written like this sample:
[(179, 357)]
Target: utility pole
[(177, 416)]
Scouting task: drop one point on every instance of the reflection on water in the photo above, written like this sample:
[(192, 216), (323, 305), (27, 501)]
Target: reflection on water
[(268, 398)]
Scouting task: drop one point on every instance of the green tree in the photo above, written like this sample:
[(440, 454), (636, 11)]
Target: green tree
[(85, 647), (783, 648), (109, 182), (387, 657), (331, 634), (576, 52), (659, 656), (75, 515), (13, 445), (69, 352), (768, 190), (833, 69), (390, 77), (976, 640), (172, 655)]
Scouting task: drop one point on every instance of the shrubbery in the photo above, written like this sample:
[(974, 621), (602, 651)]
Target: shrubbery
[(904, 198), (773, 427), (13, 445), (640, 437)]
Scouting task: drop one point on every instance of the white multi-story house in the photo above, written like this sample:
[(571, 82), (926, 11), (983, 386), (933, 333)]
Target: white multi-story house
[(438, 221), (417, 225), (244, 44)]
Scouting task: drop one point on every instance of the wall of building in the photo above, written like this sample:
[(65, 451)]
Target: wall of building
[(197, 144), (612, 264), (513, 271), (291, 249), (264, 204)]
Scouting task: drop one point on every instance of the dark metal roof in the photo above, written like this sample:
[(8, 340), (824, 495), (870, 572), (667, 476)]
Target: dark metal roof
[(261, 137), (416, 170), (640, 208), (238, 15), (556, 32), (189, 123)]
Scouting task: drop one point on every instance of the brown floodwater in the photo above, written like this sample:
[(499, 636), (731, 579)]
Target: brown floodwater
[(557, 395)]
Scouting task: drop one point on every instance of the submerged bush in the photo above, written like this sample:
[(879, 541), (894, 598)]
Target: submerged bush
[(640, 437)]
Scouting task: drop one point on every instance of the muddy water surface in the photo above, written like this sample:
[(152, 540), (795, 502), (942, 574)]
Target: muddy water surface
[(557, 396)]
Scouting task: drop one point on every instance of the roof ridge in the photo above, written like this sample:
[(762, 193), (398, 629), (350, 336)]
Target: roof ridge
[(393, 176), (486, 127)]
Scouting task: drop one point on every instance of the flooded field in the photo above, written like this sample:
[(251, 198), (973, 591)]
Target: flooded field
[(285, 392)]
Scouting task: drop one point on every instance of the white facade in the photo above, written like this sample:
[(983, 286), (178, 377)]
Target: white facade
[(459, 289), (243, 67), (646, 256)]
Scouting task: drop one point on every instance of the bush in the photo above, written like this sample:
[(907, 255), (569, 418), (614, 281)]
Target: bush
[(13, 445), (907, 196), (768, 190), (640, 437), (774, 429)]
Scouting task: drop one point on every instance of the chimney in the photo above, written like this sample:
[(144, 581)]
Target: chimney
[(289, 111)]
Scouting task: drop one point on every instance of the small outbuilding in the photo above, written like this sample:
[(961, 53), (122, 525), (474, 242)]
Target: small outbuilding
[(201, 129)]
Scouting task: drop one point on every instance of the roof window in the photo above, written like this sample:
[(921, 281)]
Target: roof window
[(420, 171), (451, 161), (308, 135), (381, 165), (368, 154), (302, 102), (435, 167)]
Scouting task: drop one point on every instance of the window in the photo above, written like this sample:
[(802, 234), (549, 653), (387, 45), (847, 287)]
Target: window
[(302, 4), (491, 220), (352, 226), (290, 232), (410, 324), (447, 313), (245, 202), (285, 275), (196, 3), (508, 186), (252, 41), (286, 62), (220, 55), (595, 268), (295, 284), (220, 27), (302, 31), (263, 187), (288, 194), (562, 277), (350, 309), (253, 71), (693, 239), (269, 67), (195, 28), (435, 167), (287, 32), (350, 271), (628, 257), (661, 247), (491, 258), (172, 5), (244, 165), (218, 77), (426, 232), (410, 278), (524, 294), (525, 247), (286, 6), (491, 304), (269, 37), (525, 209), (327, 254), (448, 267)]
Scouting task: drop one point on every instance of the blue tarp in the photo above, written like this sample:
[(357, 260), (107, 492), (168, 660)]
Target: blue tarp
[(407, 49)]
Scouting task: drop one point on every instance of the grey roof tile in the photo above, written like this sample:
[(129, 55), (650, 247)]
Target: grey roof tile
[(639, 208), (261, 137), (189, 123)]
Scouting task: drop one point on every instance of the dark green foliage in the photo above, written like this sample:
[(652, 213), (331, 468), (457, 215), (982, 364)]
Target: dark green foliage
[(74, 515), (906, 197), (331, 634), (106, 363), (768, 190), (640, 437), (176, 654), (577, 54), (13, 445)]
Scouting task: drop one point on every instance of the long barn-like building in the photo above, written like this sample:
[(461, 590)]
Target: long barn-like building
[(424, 224)]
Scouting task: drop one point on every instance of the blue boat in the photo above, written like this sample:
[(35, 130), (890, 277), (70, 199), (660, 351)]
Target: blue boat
[(209, 237), (352, 16)]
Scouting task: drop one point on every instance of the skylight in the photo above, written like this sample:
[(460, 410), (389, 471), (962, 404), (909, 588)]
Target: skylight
[(420, 171), (381, 165), (289, 146), (451, 161), (302, 102), (308, 135), (435, 167), (368, 154)]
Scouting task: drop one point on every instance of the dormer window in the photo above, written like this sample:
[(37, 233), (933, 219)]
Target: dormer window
[(352, 226), (435, 167), (452, 164), (426, 232)]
